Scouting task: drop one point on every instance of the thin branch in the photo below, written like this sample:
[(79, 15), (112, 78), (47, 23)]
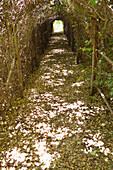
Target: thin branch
[(98, 14), (103, 96), (108, 59)]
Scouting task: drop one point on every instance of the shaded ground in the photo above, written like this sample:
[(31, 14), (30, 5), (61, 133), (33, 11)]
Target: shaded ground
[(57, 125)]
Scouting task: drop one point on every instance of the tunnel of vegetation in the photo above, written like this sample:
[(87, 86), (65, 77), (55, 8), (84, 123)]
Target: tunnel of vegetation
[(56, 57), (28, 25)]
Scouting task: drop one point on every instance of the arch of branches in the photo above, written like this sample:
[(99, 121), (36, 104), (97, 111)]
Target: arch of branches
[(27, 26)]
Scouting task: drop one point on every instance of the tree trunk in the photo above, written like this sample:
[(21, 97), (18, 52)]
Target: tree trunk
[(94, 54), (78, 43), (19, 68)]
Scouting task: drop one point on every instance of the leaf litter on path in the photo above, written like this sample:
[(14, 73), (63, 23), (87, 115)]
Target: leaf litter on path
[(57, 125)]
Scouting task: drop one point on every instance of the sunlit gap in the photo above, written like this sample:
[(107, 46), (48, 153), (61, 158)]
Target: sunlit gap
[(58, 26)]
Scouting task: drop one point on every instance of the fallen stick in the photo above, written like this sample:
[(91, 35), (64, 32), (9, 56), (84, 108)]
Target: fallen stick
[(103, 96)]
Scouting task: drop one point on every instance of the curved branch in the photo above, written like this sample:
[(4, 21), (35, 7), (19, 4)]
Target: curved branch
[(98, 14)]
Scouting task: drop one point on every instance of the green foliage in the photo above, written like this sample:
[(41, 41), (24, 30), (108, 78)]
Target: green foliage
[(105, 80), (87, 49), (88, 42), (93, 3)]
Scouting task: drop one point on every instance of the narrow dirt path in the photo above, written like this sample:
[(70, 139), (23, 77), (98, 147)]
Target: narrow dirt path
[(53, 126)]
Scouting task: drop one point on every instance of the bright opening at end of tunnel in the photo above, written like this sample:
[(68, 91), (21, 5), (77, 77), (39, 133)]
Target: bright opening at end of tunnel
[(58, 26)]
